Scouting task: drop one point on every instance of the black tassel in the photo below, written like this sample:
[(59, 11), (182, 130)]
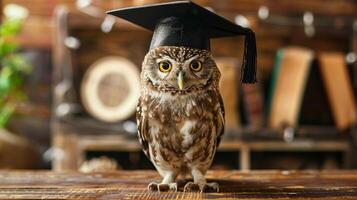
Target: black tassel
[(249, 65)]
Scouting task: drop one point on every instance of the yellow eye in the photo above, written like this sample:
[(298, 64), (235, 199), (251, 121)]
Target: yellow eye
[(196, 65), (165, 66)]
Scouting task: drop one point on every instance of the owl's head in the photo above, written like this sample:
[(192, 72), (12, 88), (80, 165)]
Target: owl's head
[(179, 69)]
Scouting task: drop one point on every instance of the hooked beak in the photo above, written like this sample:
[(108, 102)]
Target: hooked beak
[(180, 82)]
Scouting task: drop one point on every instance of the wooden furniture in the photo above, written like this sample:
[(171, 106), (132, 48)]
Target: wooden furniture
[(73, 145), (77, 45), (16, 152), (75, 132), (132, 185)]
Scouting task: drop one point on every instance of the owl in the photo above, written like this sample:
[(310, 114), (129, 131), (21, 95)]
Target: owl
[(180, 115)]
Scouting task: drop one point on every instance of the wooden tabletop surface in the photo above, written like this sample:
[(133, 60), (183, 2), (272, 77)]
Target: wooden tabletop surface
[(132, 185)]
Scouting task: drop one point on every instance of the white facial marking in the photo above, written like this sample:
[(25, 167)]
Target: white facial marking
[(165, 58), (163, 97), (191, 59)]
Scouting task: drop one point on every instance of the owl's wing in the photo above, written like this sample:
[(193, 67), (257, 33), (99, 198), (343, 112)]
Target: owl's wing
[(142, 124), (220, 119)]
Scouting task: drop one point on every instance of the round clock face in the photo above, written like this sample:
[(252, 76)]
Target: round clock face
[(110, 89)]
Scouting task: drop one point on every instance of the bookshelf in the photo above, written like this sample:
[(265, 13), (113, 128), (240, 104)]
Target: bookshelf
[(74, 143), (73, 140)]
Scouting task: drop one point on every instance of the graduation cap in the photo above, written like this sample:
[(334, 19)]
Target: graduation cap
[(184, 23)]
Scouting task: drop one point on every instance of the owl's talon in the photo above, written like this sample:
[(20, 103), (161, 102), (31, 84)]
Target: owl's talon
[(173, 186), (205, 187), (191, 187), (153, 186), (162, 187)]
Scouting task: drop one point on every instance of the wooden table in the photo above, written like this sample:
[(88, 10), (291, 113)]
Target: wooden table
[(132, 185)]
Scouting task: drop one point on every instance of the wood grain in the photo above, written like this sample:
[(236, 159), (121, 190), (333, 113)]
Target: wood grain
[(132, 185)]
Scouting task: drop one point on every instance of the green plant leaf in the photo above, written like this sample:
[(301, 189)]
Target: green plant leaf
[(13, 67), (10, 27), (17, 63), (5, 114), (7, 48), (5, 82)]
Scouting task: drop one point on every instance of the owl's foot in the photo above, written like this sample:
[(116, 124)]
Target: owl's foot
[(162, 187), (202, 187)]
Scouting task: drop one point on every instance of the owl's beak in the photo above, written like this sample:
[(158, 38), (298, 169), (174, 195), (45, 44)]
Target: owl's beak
[(180, 82)]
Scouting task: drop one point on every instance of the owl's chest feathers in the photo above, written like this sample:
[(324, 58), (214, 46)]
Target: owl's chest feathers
[(178, 122), (176, 109)]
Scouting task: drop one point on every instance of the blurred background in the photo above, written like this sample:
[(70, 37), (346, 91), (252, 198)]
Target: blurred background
[(63, 106)]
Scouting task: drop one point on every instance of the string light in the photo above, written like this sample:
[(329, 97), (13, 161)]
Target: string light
[(289, 134), (263, 12), (351, 58), (107, 24), (72, 42), (15, 11), (53, 153), (130, 127), (83, 3), (308, 20), (63, 109), (86, 7)]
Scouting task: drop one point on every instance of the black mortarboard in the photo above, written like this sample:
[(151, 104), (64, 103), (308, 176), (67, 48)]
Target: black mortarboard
[(184, 23)]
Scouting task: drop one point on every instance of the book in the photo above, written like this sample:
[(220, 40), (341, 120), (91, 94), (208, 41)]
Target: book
[(338, 87), (290, 75), (229, 68)]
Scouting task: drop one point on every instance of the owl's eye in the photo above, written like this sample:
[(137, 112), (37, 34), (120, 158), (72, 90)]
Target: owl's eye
[(196, 65), (165, 66)]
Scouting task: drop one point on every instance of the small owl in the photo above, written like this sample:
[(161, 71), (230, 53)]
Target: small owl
[(180, 115)]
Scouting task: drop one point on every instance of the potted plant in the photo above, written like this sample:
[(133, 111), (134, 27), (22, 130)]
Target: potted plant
[(15, 151), (13, 68)]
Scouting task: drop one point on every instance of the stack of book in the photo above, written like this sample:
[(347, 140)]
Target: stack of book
[(304, 85)]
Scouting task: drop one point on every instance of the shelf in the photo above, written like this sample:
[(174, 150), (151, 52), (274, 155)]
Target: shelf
[(122, 143)]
